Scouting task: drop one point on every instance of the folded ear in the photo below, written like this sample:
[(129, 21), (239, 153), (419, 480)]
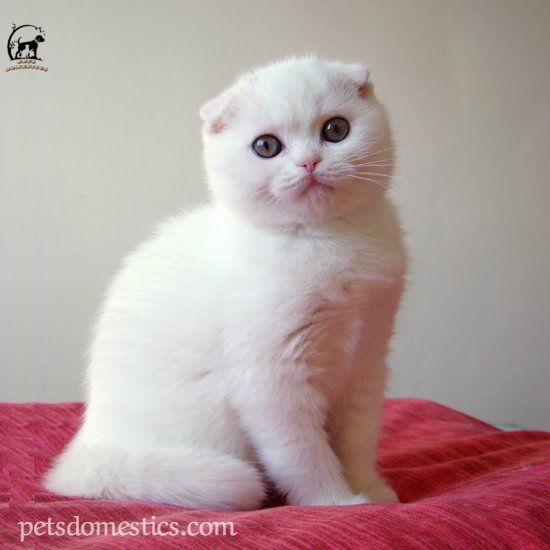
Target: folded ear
[(357, 74), (217, 112)]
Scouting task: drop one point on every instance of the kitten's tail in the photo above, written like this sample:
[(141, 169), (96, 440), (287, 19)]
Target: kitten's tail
[(191, 477)]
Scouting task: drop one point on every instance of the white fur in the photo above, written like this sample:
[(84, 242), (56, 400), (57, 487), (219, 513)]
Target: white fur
[(248, 338)]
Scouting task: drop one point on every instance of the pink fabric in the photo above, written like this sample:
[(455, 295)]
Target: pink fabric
[(463, 483)]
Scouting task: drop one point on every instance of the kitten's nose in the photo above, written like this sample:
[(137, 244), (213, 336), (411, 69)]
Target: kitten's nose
[(310, 163)]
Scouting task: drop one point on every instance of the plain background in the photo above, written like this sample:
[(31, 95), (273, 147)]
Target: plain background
[(106, 143)]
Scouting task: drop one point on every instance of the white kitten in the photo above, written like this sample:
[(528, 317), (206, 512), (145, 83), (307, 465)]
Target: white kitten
[(249, 337)]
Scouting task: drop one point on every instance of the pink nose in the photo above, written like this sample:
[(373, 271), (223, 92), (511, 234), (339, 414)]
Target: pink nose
[(310, 163)]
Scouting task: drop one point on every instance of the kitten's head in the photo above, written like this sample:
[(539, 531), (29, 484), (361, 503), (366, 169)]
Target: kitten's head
[(297, 142)]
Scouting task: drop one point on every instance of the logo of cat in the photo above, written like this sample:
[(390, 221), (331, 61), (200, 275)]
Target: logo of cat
[(25, 43)]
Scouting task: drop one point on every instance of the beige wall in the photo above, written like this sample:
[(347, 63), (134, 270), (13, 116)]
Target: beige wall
[(106, 143)]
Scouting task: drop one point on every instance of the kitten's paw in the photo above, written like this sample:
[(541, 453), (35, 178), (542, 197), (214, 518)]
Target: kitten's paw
[(333, 500), (361, 498), (378, 491)]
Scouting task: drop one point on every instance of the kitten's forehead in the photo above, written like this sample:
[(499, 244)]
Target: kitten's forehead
[(293, 93)]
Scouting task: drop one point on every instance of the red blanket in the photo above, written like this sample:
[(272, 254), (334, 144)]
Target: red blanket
[(463, 484)]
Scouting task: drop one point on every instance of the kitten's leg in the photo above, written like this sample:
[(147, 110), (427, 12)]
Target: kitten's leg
[(355, 431), (285, 421)]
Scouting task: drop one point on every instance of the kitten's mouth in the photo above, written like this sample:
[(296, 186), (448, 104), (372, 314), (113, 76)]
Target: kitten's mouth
[(314, 186)]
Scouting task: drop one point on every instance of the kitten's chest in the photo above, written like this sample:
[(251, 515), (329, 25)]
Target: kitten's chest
[(302, 311), (312, 297), (334, 270), (333, 314)]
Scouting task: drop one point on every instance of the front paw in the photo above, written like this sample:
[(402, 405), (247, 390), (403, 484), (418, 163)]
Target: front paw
[(345, 499), (351, 499), (377, 490)]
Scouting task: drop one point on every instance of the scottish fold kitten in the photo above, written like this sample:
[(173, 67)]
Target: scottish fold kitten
[(246, 341)]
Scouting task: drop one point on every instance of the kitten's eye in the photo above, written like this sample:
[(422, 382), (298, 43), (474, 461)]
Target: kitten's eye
[(336, 129), (267, 146)]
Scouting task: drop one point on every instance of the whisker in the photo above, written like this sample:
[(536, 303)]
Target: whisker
[(376, 152), (398, 178), (376, 174), (370, 180), (392, 177), (361, 165)]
